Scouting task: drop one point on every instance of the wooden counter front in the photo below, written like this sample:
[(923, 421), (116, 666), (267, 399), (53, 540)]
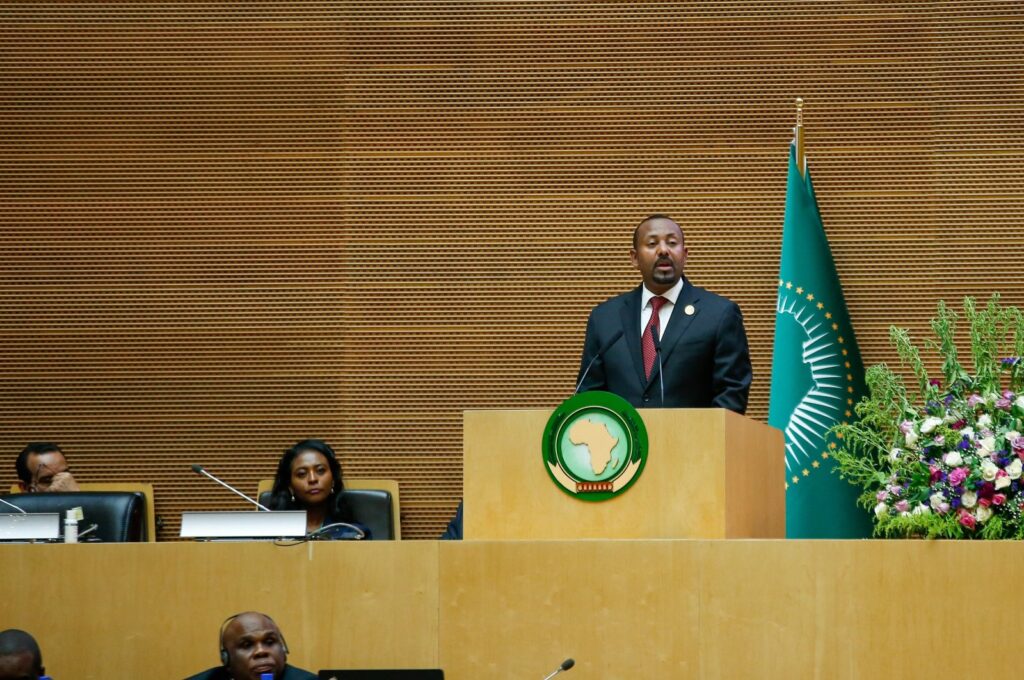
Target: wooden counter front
[(621, 608)]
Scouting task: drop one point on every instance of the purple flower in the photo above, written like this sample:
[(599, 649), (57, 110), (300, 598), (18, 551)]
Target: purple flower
[(975, 399), (1008, 395), (1010, 361), (882, 495), (964, 444), (906, 426), (957, 476), (955, 503), (948, 400), (1003, 403)]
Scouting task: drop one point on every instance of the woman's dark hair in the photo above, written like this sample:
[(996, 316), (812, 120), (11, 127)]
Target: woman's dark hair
[(281, 493)]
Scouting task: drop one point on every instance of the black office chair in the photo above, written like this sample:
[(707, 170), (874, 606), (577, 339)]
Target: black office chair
[(370, 507), (120, 517)]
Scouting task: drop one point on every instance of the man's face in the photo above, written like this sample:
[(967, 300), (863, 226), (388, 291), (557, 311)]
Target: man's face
[(49, 472), (19, 666), (659, 254), (254, 647)]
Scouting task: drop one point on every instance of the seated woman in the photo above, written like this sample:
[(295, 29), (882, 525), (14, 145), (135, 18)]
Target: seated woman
[(309, 478)]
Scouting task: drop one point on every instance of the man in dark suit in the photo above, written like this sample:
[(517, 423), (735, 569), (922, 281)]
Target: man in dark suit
[(251, 645), (704, 358)]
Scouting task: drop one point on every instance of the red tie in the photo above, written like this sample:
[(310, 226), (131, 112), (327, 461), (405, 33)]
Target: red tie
[(647, 339)]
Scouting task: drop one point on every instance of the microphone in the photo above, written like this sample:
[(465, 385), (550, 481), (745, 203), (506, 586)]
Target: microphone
[(566, 665), (600, 350), (326, 531), (13, 506), (198, 469), (655, 335)]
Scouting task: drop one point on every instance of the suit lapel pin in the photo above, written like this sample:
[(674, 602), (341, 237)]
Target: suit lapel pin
[(690, 310)]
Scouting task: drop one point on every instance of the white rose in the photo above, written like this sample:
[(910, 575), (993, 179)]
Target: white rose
[(911, 439), (1002, 482), (930, 424), (953, 458), (988, 445), (1011, 435), (895, 454), (984, 420), (922, 509), (988, 470), (969, 499), (967, 432), (1014, 469), (983, 513), (1019, 402), (881, 509), (936, 499)]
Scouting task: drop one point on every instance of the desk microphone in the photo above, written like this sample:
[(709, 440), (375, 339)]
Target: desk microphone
[(600, 350), (13, 506), (566, 665), (655, 335), (198, 469)]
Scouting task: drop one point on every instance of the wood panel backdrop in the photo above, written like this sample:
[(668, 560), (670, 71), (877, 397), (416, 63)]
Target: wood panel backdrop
[(229, 226)]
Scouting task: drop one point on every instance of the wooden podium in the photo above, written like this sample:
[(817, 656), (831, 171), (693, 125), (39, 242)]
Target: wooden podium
[(710, 473)]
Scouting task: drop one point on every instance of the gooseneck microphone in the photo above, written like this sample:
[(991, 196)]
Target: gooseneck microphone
[(566, 665), (198, 469), (600, 350), (325, 531), (13, 506), (655, 335)]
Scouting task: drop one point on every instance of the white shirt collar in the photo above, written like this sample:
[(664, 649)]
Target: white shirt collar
[(672, 294)]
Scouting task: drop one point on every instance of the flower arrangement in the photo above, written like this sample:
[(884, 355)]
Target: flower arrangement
[(948, 464)]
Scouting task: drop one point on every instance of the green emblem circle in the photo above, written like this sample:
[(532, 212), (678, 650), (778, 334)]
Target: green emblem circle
[(595, 446)]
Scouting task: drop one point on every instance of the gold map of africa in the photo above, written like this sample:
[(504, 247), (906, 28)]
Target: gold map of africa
[(598, 440)]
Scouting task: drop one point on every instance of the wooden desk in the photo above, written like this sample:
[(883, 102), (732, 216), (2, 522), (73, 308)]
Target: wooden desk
[(515, 609)]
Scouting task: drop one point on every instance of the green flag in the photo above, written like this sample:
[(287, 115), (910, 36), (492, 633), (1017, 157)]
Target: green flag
[(817, 374)]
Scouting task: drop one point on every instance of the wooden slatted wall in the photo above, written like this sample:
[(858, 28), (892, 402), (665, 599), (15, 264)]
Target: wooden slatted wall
[(228, 226)]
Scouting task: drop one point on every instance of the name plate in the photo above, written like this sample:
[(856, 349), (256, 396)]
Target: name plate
[(32, 526), (241, 524)]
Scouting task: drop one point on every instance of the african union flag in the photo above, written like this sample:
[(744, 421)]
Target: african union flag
[(817, 374)]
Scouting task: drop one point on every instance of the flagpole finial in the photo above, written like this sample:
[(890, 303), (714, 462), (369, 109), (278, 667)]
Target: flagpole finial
[(798, 135)]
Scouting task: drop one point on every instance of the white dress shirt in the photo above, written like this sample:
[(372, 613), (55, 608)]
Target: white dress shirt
[(665, 313)]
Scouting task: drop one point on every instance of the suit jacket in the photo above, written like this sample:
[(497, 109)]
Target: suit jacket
[(704, 355), (221, 673)]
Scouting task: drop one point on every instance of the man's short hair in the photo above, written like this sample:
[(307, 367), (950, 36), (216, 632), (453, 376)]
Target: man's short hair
[(655, 216), (14, 642), (33, 449)]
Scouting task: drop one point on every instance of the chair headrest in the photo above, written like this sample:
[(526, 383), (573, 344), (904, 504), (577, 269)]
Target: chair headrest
[(119, 516)]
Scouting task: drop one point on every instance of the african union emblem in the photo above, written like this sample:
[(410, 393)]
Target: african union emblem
[(595, 446)]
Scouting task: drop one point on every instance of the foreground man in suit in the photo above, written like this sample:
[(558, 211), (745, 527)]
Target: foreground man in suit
[(251, 645), (705, 361)]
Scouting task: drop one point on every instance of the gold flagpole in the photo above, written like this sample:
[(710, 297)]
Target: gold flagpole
[(798, 136)]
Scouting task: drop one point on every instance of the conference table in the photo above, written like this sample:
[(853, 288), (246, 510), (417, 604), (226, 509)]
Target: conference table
[(515, 609)]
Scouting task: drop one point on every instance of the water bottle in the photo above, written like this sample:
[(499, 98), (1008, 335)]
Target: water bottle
[(70, 527)]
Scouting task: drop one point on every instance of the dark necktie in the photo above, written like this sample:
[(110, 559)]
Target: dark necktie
[(647, 339)]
